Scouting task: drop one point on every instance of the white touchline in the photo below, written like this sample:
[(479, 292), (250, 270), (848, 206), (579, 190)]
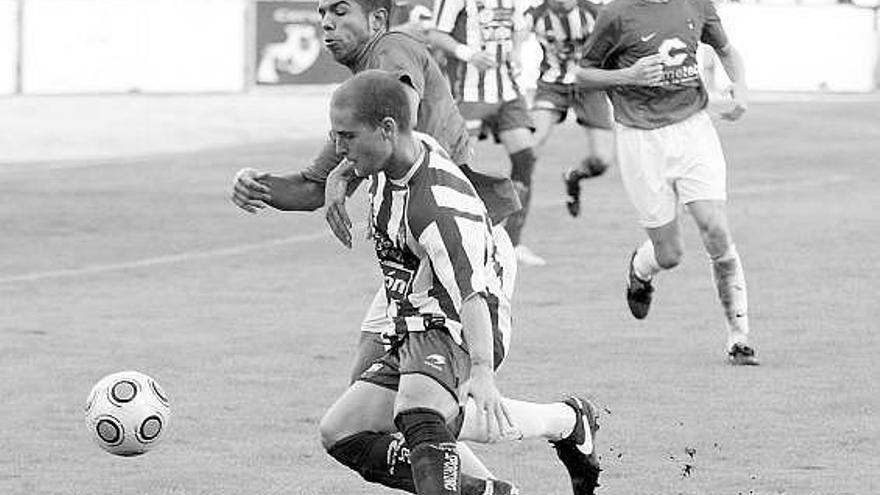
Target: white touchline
[(164, 260), (244, 248)]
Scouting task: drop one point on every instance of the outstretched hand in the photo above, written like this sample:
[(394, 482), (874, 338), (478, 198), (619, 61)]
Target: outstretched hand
[(490, 407), (248, 193), (335, 191)]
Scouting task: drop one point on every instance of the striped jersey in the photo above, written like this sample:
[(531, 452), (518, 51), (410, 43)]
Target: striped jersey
[(483, 25), (435, 246), (562, 35), (628, 30)]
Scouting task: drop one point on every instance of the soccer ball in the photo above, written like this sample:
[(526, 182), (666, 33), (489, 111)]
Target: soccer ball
[(127, 413)]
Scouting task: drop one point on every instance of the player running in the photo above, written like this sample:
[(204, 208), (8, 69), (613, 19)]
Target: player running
[(449, 309), (644, 52), (482, 40), (562, 28)]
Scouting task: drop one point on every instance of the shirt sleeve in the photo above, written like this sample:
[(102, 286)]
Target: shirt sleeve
[(602, 41), (325, 162), (713, 32), (395, 57), (446, 12)]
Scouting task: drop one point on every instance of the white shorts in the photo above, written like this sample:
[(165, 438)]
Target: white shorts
[(377, 320), (678, 163)]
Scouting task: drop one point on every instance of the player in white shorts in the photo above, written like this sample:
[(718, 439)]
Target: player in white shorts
[(644, 52)]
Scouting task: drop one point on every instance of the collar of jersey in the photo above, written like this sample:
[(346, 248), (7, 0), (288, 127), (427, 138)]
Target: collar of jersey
[(417, 164)]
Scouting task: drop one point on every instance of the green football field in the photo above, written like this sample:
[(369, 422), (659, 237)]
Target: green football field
[(249, 322)]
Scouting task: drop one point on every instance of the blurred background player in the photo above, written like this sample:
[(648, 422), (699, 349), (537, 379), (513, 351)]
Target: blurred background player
[(481, 40), (447, 303), (645, 53), (562, 28)]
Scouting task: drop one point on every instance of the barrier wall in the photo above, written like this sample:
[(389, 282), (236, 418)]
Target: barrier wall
[(75, 46), (8, 46), (804, 48)]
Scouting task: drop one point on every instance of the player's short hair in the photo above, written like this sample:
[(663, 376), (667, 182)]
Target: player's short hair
[(373, 5), (374, 95)]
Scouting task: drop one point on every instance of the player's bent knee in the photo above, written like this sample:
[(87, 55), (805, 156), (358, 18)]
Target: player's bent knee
[(669, 256)]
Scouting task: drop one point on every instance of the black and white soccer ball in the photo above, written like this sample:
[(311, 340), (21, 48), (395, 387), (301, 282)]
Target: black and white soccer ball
[(127, 413)]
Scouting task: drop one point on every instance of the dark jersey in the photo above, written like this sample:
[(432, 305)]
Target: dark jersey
[(563, 36), (627, 30), (438, 115)]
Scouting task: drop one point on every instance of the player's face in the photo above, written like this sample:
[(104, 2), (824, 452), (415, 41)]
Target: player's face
[(361, 144), (563, 5), (345, 26)]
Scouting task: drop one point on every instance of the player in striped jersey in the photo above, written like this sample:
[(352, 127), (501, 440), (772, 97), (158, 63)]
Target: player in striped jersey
[(449, 309), (481, 39), (645, 53), (562, 28)]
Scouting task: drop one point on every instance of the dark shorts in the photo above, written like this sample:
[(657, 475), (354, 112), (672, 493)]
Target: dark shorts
[(495, 118), (590, 107), (371, 346), (432, 353)]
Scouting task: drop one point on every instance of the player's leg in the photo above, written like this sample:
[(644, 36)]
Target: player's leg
[(427, 402), (515, 131), (549, 108), (642, 156), (594, 115), (703, 190)]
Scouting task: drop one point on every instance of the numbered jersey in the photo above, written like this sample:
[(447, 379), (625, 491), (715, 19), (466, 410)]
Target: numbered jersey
[(627, 30), (435, 247), (562, 35), (483, 25)]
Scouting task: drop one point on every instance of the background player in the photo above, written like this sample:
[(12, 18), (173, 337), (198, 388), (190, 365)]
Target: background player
[(481, 41), (645, 52), (562, 28), (444, 287)]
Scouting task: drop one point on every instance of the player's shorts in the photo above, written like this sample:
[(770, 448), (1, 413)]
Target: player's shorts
[(495, 118), (591, 108), (677, 163), (433, 353)]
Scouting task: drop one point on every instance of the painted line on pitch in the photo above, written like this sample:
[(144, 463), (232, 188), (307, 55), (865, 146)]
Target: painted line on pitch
[(236, 250), (163, 260)]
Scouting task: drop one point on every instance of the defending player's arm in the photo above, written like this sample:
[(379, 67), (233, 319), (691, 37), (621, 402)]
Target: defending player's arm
[(593, 73), (254, 190), (713, 34), (446, 14)]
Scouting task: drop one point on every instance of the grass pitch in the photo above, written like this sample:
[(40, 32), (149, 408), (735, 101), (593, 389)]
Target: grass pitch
[(249, 323)]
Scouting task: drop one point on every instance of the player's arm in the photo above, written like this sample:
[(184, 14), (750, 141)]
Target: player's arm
[(739, 94), (477, 332), (480, 59), (254, 190), (593, 73)]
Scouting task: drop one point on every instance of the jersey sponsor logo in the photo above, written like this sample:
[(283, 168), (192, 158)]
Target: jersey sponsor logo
[(678, 69), (648, 38), (398, 280), (436, 361)]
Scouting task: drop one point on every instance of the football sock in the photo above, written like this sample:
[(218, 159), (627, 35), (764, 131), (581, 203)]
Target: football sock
[(552, 421), (730, 282), (522, 167), (436, 468), (645, 263), (377, 457)]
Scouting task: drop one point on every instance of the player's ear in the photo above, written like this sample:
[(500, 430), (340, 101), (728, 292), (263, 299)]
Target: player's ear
[(378, 20)]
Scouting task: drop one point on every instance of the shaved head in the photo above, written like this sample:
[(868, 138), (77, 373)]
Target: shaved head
[(372, 96)]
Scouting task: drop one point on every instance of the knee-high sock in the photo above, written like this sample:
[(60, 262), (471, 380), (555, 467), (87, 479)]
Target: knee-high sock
[(552, 421), (385, 459), (730, 282), (436, 467), (522, 168), (645, 262)]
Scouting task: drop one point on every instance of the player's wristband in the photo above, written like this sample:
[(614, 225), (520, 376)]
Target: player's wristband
[(464, 52)]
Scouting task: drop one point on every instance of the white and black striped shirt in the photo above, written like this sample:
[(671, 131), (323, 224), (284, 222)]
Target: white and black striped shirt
[(483, 25), (435, 246), (562, 36)]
